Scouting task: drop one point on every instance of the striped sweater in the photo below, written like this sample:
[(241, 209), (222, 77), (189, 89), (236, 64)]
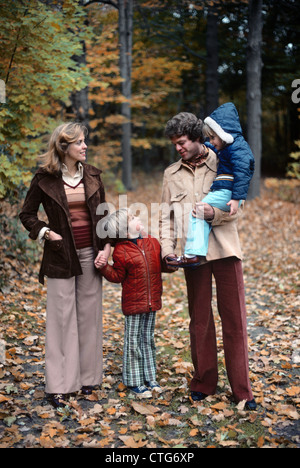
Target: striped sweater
[(80, 216)]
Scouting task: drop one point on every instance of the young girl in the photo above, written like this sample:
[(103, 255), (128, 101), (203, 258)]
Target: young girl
[(137, 265), (230, 187)]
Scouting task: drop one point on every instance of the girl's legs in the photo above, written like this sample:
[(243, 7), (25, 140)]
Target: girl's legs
[(199, 229)]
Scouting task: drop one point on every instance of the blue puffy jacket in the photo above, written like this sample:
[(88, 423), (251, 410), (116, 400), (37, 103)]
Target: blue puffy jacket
[(236, 159)]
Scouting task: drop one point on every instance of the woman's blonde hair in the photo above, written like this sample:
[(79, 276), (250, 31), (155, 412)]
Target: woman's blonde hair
[(60, 139)]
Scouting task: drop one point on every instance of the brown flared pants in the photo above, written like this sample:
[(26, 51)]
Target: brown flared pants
[(74, 329), (228, 276)]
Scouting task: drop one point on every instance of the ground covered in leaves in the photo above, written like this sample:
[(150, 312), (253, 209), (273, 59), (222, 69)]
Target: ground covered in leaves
[(111, 417)]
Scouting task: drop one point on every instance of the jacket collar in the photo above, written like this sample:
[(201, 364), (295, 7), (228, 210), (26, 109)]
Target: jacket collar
[(210, 162), (53, 185)]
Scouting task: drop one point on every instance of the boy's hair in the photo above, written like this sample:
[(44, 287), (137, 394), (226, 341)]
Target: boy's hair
[(116, 225), (185, 123)]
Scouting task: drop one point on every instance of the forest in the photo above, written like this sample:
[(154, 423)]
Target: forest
[(123, 68)]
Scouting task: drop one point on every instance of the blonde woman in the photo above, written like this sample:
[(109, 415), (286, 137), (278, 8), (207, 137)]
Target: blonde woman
[(70, 191)]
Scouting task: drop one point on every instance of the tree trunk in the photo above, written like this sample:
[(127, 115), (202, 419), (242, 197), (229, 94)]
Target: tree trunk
[(125, 35), (254, 66), (212, 82), (80, 99)]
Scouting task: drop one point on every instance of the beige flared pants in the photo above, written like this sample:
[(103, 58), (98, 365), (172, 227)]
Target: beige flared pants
[(74, 329)]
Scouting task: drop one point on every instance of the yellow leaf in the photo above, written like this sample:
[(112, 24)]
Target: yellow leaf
[(143, 408), (131, 443), (293, 391), (219, 406)]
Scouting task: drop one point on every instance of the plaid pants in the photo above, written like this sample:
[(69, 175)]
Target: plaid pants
[(139, 354)]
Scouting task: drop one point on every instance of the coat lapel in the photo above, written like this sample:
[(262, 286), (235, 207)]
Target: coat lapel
[(90, 180), (54, 188)]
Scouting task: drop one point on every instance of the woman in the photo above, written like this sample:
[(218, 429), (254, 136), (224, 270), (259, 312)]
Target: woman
[(70, 192)]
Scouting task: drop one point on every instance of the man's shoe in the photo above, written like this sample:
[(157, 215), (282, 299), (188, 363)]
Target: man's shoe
[(141, 391), (58, 400), (251, 405), (198, 396)]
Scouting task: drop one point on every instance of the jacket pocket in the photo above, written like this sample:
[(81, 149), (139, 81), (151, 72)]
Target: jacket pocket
[(177, 197), (56, 251), (180, 205), (55, 244)]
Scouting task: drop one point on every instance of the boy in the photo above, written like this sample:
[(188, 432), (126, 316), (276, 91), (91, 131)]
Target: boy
[(137, 265)]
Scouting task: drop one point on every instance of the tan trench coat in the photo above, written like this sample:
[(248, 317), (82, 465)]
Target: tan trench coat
[(182, 188)]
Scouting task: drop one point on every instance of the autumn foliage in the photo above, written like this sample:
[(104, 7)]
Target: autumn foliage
[(111, 416)]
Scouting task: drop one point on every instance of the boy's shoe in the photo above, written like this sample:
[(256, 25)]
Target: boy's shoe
[(141, 391), (154, 386)]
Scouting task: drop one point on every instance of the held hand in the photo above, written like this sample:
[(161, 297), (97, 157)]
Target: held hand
[(170, 268), (234, 205), (203, 211), (101, 259)]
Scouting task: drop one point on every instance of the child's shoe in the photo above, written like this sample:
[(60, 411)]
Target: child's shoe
[(184, 262), (141, 391), (154, 386)]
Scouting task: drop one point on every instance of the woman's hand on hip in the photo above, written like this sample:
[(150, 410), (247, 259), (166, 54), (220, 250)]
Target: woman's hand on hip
[(53, 236)]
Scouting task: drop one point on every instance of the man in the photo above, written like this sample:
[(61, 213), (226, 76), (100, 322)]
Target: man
[(185, 184)]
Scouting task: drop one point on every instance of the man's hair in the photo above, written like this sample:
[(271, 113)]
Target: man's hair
[(185, 123)]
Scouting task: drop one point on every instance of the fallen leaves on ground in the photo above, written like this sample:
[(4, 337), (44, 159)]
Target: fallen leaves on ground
[(112, 416)]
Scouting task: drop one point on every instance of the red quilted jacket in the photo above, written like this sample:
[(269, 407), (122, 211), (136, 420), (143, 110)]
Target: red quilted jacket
[(138, 268)]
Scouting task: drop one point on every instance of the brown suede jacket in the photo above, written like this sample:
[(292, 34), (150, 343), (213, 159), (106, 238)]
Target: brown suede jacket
[(60, 259)]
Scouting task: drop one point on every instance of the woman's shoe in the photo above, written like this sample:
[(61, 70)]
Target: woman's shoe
[(58, 400), (87, 389), (251, 405), (141, 391), (198, 396)]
